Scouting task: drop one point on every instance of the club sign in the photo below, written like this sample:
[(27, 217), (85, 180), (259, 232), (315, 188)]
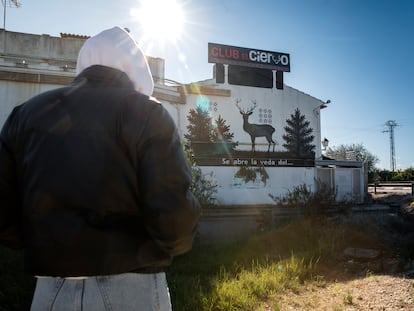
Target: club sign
[(233, 55)]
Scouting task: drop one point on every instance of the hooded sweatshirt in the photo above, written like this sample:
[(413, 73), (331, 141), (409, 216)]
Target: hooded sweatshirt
[(115, 48)]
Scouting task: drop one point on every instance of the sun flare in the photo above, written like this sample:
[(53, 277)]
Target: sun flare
[(160, 20)]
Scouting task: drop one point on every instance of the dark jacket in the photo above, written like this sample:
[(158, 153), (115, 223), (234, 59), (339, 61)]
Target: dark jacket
[(93, 180)]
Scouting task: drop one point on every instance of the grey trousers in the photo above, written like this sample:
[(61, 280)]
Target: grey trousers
[(129, 291)]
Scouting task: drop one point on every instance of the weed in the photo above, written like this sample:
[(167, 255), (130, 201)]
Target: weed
[(348, 298), (311, 203)]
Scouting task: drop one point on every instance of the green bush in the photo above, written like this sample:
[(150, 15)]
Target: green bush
[(310, 202), (399, 175), (202, 186)]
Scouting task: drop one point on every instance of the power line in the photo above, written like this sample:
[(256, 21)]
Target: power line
[(391, 124)]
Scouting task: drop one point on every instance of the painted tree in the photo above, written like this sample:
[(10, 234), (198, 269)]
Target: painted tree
[(221, 134), (206, 138), (298, 135), (199, 126)]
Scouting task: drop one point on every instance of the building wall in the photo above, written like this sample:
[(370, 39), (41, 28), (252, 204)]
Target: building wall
[(44, 48), (347, 178), (232, 190), (280, 103)]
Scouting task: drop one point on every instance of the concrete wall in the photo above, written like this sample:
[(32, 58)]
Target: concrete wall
[(349, 181), (233, 191), (223, 225), (54, 51)]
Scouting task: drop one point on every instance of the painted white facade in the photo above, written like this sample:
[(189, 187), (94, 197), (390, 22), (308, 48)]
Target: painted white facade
[(280, 103), (233, 191), (31, 64)]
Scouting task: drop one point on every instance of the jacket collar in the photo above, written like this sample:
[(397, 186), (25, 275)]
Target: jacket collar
[(106, 75)]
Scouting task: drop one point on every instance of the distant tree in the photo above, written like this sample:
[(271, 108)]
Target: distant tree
[(407, 174), (355, 152), (221, 134), (199, 126), (400, 175), (298, 135)]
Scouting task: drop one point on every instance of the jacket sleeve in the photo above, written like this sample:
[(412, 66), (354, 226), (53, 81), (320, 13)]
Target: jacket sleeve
[(171, 211), (10, 208)]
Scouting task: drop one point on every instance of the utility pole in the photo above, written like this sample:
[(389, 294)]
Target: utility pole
[(391, 125)]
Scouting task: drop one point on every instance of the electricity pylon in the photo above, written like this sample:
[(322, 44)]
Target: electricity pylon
[(391, 125)]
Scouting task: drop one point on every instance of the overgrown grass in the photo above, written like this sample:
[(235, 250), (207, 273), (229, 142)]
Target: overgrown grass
[(255, 285), (246, 275), (235, 285)]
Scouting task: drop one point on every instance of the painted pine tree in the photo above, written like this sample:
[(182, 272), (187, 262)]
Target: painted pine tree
[(298, 136), (199, 128), (221, 134), (206, 138)]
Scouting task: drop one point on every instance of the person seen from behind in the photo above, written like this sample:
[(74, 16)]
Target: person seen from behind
[(94, 185)]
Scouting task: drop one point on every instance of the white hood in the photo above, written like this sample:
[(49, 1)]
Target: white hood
[(117, 49)]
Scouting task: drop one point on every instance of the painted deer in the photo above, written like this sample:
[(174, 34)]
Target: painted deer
[(256, 130)]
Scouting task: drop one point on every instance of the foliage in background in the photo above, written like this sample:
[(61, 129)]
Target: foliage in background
[(407, 174), (359, 153), (356, 152), (310, 202), (298, 135), (399, 175), (202, 186)]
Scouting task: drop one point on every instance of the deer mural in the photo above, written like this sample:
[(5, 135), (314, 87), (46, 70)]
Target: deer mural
[(256, 130)]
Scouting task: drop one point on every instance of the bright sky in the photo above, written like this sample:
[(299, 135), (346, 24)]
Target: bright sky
[(357, 53)]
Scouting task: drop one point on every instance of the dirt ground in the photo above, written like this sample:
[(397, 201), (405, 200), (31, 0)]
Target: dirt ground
[(375, 292), (382, 283)]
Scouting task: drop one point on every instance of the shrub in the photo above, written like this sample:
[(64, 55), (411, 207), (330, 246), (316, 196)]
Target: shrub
[(311, 203), (202, 187)]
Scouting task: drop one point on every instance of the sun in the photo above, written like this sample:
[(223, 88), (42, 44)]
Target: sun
[(160, 20)]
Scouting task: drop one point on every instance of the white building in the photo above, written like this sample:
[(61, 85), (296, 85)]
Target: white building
[(30, 64)]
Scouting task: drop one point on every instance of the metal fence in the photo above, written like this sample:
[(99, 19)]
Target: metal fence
[(400, 187)]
